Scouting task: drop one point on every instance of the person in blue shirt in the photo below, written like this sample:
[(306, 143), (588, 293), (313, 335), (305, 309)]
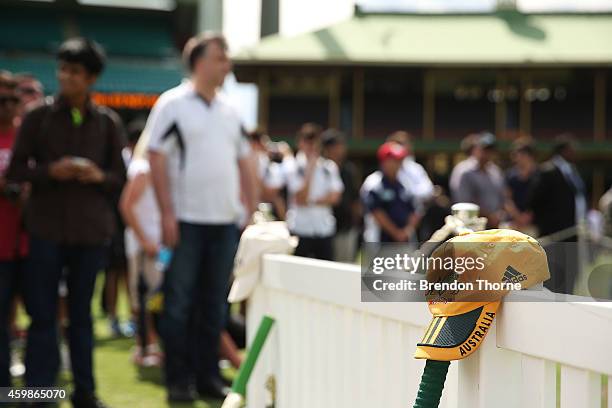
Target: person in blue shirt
[(391, 208)]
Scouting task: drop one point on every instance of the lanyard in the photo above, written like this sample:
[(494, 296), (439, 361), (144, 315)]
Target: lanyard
[(77, 117)]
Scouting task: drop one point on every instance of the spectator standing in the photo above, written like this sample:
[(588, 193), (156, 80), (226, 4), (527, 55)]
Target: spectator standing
[(314, 187), (605, 206), (348, 211), (484, 184), (13, 245), (469, 146), (389, 202), (558, 195), (269, 172), (519, 180), (199, 157), (142, 243), (116, 270), (434, 215), (70, 150), (29, 90), (558, 203)]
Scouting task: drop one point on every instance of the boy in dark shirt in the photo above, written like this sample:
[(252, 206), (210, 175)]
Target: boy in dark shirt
[(389, 203), (70, 150)]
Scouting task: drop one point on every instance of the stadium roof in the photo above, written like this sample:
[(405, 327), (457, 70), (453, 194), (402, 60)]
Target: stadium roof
[(502, 38)]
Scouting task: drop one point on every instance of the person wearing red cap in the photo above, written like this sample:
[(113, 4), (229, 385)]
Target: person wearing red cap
[(391, 211)]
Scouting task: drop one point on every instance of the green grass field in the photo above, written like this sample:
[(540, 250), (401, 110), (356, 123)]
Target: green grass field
[(120, 383)]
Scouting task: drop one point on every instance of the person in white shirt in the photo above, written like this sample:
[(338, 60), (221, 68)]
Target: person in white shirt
[(314, 187), (142, 243), (200, 160), (270, 174)]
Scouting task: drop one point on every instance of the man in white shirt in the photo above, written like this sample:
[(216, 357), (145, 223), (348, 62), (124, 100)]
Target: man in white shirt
[(200, 159), (314, 186)]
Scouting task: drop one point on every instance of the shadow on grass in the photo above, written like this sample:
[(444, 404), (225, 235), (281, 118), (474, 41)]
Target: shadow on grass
[(117, 343), (197, 404), (151, 374), (154, 375)]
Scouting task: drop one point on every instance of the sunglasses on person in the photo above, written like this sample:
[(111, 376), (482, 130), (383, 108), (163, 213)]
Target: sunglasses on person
[(5, 99)]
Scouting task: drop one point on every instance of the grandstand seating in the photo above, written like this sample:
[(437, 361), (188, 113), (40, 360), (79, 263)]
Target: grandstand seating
[(34, 30), (142, 57), (127, 35)]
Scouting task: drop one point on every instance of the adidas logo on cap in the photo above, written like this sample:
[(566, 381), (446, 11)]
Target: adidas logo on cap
[(511, 275)]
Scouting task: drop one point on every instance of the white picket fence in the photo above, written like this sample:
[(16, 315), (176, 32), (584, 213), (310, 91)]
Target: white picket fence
[(330, 350)]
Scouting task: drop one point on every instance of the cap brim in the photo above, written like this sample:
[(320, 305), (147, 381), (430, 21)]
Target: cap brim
[(242, 287), (455, 337)]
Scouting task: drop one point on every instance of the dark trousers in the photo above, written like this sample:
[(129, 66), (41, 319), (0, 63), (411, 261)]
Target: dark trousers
[(319, 248), (9, 273), (195, 289), (44, 268), (563, 263)]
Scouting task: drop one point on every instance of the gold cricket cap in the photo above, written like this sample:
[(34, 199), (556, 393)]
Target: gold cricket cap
[(462, 318)]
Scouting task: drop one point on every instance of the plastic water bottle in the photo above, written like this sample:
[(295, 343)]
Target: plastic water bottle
[(164, 256)]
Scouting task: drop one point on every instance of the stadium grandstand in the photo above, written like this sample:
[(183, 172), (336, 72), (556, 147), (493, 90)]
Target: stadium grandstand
[(441, 77), (142, 46)]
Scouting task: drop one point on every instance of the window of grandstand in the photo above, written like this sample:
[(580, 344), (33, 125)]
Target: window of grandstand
[(561, 101), (393, 100), (464, 102), (295, 99)]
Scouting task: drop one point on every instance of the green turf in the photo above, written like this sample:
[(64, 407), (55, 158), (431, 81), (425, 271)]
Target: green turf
[(119, 382)]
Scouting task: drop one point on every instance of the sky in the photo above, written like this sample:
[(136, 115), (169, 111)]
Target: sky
[(483, 5), (410, 5)]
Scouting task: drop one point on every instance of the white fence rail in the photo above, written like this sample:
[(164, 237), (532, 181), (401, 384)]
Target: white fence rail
[(330, 350)]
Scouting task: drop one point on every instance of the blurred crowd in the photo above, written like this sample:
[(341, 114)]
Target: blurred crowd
[(160, 206)]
